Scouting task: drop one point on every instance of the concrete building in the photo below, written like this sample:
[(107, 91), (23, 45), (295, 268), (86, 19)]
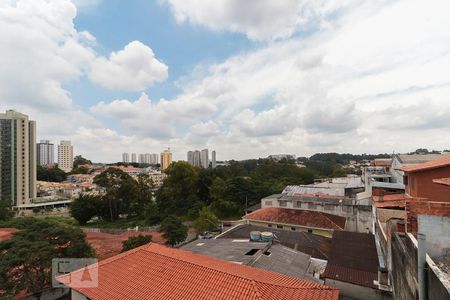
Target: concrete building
[(190, 157), (154, 159), (17, 158), (65, 156), (204, 159), (133, 158), (213, 159), (125, 157), (141, 158), (45, 153), (166, 159)]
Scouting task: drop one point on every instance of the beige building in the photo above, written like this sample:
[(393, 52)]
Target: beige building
[(17, 158), (166, 159), (65, 156)]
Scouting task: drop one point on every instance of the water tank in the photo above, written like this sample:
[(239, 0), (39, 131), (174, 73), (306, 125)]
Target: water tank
[(266, 236), (255, 236)]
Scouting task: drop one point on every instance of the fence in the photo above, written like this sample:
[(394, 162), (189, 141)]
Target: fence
[(121, 230)]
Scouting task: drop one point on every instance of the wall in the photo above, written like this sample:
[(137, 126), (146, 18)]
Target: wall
[(322, 232), (404, 271), (359, 217), (420, 184), (415, 208), (77, 296), (437, 234), (353, 291)]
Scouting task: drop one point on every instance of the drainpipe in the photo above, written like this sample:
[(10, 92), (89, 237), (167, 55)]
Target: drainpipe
[(421, 262)]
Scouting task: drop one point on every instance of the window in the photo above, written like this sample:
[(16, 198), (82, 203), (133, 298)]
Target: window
[(293, 228), (283, 203), (310, 231), (269, 225), (280, 226), (268, 203)]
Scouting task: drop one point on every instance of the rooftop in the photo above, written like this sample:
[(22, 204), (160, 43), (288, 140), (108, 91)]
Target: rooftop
[(382, 162), (409, 159), (157, 272), (315, 245), (435, 164), (353, 258), (299, 217), (386, 201)]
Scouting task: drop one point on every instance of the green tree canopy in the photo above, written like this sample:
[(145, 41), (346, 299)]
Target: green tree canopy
[(206, 221), (5, 211), (85, 207), (26, 258), (144, 195), (54, 174), (120, 191), (80, 160), (173, 230), (135, 241)]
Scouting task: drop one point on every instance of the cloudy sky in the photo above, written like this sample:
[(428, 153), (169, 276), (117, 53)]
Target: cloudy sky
[(246, 78)]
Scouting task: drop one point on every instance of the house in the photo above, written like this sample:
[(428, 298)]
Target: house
[(261, 255), (353, 266), (157, 272), (297, 220), (315, 245), (419, 180)]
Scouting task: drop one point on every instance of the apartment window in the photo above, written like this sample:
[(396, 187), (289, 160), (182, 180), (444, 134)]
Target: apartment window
[(280, 226), (293, 228)]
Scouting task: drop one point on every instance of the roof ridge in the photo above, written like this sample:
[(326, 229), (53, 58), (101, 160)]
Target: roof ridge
[(258, 294), (335, 222), (236, 275)]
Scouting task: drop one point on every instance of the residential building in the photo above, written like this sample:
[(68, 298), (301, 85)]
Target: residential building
[(419, 180), (353, 266), (316, 246), (157, 272), (204, 159), (213, 159), (141, 158), (125, 157), (190, 157), (260, 254), (154, 159), (296, 220), (17, 158), (65, 156), (133, 158), (166, 159), (45, 153), (194, 158)]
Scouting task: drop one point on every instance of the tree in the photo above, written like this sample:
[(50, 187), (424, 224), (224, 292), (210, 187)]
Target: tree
[(120, 191), (339, 172), (135, 241), (27, 256), (144, 195), (206, 221), (54, 174), (85, 207), (80, 160), (179, 191), (173, 230), (151, 213), (79, 170), (5, 211)]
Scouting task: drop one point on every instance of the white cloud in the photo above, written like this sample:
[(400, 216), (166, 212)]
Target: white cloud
[(134, 68), (258, 19)]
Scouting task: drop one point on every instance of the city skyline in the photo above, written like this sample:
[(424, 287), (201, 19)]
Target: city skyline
[(327, 78)]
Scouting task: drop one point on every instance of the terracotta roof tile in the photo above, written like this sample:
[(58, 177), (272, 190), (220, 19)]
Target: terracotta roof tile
[(157, 272), (394, 200), (300, 217), (440, 163)]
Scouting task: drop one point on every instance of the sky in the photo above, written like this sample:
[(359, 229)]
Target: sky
[(245, 78)]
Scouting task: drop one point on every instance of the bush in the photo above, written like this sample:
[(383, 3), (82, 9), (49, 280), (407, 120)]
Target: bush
[(173, 230), (135, 241)]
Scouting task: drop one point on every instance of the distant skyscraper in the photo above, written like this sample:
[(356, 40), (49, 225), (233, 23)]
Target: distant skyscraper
[(154, 158), (45, 153), (141, 158), (204, 158), (190, 157), (133, 158), (125, 157), (213, 157), (197, 159), (17, 158), (65, 156), (166, 159)]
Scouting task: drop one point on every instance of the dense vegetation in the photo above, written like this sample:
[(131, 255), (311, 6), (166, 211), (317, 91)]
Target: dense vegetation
[(135, 241), (53, 174), (26, 258)]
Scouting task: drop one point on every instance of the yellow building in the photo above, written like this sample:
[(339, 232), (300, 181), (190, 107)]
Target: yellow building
[(166, 159)]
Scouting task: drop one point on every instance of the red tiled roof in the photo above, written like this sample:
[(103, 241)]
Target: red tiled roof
[(393, 200), (353, 258), (440, 163), (300, 217), (157, 272), (382, 162), (443, 181)]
